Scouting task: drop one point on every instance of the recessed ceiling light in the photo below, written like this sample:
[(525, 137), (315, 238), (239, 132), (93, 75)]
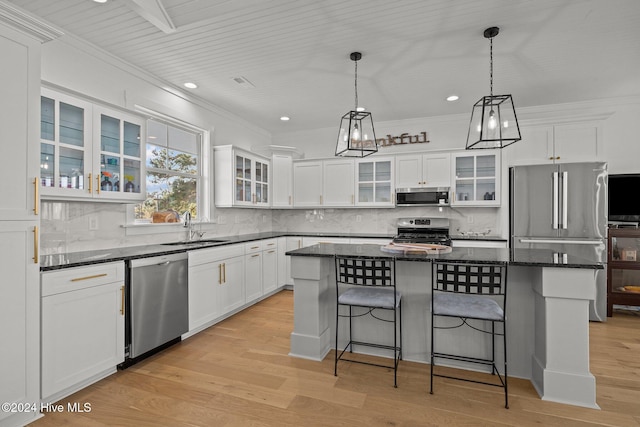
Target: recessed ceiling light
[(190, 85), (284, 118), (100, 1), (360, 109), (452, 98)]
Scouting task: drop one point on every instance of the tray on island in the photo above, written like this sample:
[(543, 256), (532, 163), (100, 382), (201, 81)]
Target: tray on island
[(416, 248)]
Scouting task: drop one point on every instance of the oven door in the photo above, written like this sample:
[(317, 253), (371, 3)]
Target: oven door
[(422, 197)]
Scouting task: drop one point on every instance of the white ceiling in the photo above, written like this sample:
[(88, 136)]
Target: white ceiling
[(415, 52)]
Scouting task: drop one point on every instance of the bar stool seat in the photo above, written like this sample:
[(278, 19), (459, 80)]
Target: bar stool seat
[(370, 297), (469, 306)]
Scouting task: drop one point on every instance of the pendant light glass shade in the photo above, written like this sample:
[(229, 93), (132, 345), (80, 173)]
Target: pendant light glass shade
[(493, 120), (356, 136)]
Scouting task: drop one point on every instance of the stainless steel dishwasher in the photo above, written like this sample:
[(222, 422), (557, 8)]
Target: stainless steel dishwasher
[(158, 301)]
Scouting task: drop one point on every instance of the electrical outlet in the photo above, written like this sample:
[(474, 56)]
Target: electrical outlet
[(469, 219), (222, 219), (93, 223), (358, 218)]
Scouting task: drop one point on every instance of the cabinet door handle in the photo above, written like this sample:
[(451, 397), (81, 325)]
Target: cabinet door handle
[(35, 245), (256, 255), (36, 195), (270, 252), (224, 272), (551, 158), (289, 200), (220, 274), (90, 184), (299, 244), (95, 276), (255, 247), (122, 300), (98, 184), (558, 158)]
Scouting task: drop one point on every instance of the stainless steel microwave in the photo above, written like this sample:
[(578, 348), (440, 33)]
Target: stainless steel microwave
[(435, 196)]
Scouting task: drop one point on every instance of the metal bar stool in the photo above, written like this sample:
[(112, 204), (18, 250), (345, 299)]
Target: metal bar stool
[(371, 285), (476, 294)]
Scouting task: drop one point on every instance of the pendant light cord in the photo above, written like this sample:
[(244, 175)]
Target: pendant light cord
[(356, 85), (491, 66)]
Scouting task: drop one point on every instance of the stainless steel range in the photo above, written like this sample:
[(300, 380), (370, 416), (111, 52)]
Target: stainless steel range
[(423, 230)]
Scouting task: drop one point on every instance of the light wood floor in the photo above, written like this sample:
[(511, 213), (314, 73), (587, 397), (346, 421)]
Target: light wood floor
[(238, 373)]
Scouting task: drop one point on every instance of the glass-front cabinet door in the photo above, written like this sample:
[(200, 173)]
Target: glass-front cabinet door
[(87, 151), (119, 159), (261, 184), (65, 145), (251, 181), (476, 179), (375, 182)]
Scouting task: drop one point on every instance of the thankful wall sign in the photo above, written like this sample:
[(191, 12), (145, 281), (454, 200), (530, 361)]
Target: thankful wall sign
[(401, 139)]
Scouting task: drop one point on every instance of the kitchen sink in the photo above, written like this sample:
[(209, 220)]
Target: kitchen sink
[(204, 242)]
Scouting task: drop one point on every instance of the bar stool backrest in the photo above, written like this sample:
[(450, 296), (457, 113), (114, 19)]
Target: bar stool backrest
[(365, 272), (479, 279)]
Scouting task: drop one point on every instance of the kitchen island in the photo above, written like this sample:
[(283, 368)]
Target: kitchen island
[(547, 312)]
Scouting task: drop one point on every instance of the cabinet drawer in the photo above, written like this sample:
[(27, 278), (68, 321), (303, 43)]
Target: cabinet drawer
[(201, 256), (270, 244), (71, 279), (253, 247)]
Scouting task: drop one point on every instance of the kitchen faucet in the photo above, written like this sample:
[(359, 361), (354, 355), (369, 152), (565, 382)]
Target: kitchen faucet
[(189, 225)]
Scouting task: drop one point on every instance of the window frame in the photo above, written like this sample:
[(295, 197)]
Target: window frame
[(204, 176)]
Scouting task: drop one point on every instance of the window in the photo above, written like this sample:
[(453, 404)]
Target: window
[(174, 177)]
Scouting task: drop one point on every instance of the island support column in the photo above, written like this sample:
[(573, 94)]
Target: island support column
[(313, 294), (560, 364)]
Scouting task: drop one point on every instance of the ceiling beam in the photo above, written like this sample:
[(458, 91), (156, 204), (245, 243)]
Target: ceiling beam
[(154, 12)]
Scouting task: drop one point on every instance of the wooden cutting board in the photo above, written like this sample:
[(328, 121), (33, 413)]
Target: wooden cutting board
[(418, 248)]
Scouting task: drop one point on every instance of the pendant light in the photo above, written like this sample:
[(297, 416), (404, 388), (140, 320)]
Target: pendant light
[(493, 120), (356, 137)]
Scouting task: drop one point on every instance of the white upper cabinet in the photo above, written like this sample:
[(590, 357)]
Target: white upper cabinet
[(282, 181), (338, 183), (423, 170), (324, 183), (241, 178), (558, 143), (375, 182), (88, 151), (307, 183), (476, 178)]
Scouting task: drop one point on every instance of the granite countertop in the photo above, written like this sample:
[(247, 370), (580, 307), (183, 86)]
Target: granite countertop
[(76, 259), (479, 237), (520, 257)]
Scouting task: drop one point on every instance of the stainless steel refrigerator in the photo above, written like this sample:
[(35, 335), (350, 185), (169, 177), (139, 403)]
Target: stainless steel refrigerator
[(563, 207)]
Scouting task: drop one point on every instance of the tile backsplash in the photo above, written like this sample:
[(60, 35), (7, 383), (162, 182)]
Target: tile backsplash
[(79, 226)]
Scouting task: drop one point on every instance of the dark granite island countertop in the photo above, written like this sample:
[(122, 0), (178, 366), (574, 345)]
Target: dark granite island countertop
[(519, 257)]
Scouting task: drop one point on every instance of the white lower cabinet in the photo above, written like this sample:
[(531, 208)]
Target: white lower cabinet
[(253, 270), (216, 283), (82, 327), (269, 266)]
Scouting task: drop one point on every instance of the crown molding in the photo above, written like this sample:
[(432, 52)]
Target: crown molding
[(27, 23)]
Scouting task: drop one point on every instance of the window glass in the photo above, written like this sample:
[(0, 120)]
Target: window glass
[(173, 173)]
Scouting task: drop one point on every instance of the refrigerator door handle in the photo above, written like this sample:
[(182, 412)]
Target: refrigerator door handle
[(563, 241), (554, 202), (565, 196)]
